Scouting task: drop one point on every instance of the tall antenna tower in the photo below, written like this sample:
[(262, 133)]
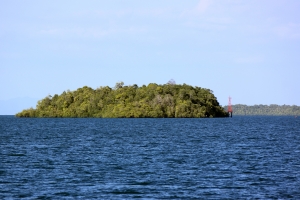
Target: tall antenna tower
[(229, 107)]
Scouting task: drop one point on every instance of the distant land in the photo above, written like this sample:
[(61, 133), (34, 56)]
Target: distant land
[(273, 109), (152, 101)]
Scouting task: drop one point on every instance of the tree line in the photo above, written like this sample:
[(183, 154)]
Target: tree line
[(152, 101), (273, 109)]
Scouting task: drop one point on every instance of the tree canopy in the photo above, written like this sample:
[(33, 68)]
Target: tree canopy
[(151, 101)]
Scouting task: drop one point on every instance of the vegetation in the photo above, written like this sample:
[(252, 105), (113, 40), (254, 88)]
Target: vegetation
[(273, 109), (168, 100)]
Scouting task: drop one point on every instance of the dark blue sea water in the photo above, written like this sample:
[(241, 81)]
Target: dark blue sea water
[(228, 158)]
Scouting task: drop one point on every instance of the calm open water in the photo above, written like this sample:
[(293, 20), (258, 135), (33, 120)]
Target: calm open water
[(228, 158)]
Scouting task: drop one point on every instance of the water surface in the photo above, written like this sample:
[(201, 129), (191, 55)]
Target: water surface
[(239, 157)]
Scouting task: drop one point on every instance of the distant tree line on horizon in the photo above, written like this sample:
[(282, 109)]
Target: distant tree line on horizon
[(154, 101), (273, 109)]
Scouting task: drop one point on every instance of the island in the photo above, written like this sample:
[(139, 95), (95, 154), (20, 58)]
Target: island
[(152, 101), (270, 110)]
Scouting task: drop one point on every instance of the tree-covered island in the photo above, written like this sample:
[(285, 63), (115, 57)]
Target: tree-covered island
[(153, 101)]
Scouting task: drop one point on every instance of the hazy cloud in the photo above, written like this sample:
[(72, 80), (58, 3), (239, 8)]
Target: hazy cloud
[(198, 9), (250, 59), (290, 30), (203, 5), (91, 32)]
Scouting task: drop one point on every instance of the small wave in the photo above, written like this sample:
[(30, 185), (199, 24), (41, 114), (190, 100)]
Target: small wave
[(16, 154), (125, 191)]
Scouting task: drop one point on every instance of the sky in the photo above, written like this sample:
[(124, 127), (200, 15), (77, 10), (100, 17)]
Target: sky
[(249, 50)]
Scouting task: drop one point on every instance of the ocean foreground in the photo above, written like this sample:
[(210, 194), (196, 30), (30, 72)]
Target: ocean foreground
[(92, 158)]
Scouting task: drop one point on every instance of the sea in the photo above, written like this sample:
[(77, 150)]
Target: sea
[(243, 157)]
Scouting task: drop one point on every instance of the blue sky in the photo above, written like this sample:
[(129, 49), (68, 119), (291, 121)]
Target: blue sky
[(249, 50)]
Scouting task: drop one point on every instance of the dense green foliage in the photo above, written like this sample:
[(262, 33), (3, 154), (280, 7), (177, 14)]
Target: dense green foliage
[(168, 100), (273, 109)]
